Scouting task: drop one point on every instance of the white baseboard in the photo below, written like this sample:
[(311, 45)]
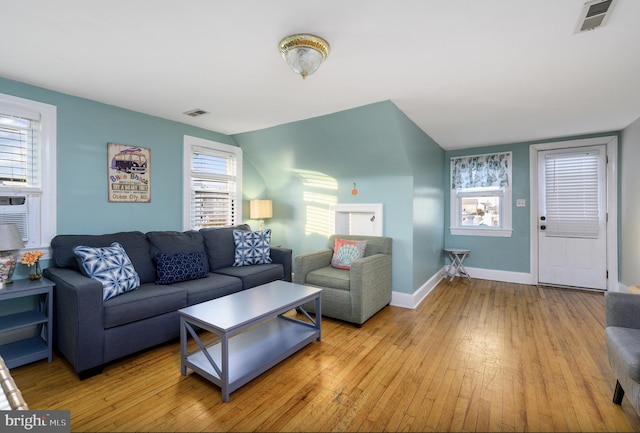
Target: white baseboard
[(412, 300), (505, 276)]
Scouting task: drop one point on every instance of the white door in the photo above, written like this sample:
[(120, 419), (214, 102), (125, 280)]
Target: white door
[(572, 241)]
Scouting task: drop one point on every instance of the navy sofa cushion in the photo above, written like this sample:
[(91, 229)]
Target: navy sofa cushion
[(221, 248), (254, 275), (177, 242), (206, 289), (134, 243), (148, 301)]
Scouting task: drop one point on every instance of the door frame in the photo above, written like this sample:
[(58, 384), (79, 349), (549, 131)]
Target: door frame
[(611, 143)]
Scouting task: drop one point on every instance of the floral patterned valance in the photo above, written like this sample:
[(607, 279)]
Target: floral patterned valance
[(481, 170)]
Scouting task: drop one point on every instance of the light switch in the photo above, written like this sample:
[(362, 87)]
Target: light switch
[(521, 202)]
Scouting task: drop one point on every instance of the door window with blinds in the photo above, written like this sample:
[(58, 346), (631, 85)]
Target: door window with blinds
[(574, 186), (213, 176), (27, 168)]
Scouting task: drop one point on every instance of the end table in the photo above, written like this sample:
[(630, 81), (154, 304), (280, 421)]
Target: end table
[(31, 349)]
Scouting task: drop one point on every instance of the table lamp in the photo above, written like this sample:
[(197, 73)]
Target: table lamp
[(10, 240), (259, 210)]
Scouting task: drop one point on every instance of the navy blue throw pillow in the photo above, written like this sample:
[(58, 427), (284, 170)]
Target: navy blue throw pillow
[(175, 267)]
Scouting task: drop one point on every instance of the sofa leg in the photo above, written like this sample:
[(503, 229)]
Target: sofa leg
[(618, 393), (86, 374)]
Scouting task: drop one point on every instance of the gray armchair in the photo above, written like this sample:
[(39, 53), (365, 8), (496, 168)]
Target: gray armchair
[(351, 295), (622, 333)]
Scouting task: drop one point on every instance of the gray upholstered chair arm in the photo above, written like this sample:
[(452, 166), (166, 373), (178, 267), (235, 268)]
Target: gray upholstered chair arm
[(79, 327), (622, 310), (305, 263), (372, 273)]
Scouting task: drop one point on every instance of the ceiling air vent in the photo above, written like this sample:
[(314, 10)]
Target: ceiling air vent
[(594, 14), (195, 113)]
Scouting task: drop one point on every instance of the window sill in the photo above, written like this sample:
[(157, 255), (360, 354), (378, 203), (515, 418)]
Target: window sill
[(501, 233)]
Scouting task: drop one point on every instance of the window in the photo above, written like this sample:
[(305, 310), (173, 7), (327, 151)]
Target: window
[(212, 184), (481, 195), (28, 169)]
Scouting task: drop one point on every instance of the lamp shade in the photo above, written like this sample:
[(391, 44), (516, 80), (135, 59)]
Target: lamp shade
[(259, 209), (10, 238)]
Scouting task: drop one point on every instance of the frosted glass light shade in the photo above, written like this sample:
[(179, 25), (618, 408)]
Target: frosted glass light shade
[(304, 53)]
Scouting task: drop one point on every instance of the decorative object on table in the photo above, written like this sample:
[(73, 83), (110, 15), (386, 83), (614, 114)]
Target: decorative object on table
[(32, 259), (304, 53), (259, 210), (10, 240), (129, 173)]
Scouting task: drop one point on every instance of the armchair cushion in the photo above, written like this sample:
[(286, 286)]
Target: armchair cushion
[(329, 277), (346, 251)]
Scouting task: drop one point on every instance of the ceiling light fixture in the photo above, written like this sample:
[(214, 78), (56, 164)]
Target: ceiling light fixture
[(304, 53)]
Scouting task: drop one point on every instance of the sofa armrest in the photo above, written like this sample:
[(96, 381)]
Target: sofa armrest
[(622, 309), (78, 317), (307, 262), (372, 275), (283, 256)]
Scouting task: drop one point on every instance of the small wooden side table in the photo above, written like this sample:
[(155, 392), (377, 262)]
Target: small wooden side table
[(16, 353), (456, 268)]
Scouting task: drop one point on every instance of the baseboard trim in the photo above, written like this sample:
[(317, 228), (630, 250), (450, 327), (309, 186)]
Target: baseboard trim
[(504, 276), (412, 300)]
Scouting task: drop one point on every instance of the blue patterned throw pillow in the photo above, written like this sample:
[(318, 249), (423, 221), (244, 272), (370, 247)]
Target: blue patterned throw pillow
[(109, 265), (172, 268), (252, 248)]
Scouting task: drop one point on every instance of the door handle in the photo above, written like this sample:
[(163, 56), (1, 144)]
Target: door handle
[(543, 227), (543, 218)]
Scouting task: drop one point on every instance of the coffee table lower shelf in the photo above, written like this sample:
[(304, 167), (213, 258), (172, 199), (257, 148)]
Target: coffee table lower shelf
[(250, 353)]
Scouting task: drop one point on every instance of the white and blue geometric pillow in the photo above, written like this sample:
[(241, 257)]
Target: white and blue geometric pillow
[(252, 248), (111, 266)]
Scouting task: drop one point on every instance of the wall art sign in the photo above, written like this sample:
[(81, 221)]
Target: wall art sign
[(129, 173)]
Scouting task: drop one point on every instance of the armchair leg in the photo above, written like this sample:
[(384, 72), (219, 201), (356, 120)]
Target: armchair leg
[(618, 393)]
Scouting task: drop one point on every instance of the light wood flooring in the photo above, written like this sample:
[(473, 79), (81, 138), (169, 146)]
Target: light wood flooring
[(475, 356)]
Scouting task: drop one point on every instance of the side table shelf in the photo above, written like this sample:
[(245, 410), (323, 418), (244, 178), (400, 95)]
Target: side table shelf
[(36, 347)]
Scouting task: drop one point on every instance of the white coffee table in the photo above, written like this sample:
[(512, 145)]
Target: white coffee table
[(236, 357)]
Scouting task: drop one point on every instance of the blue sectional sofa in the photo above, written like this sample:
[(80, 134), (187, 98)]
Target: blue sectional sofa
[(90, 332)]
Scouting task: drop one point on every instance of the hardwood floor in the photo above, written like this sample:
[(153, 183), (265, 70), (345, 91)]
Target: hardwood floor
[(478, 356)]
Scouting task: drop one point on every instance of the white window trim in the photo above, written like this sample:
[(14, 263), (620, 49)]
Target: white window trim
[(189, 143), (506, 216), (48, 142)]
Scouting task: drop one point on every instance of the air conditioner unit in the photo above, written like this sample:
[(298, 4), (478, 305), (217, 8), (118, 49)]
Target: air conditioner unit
[(14, 209)]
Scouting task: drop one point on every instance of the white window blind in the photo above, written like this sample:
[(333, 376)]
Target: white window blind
[(214, 191), (571, 195), (19, 151)]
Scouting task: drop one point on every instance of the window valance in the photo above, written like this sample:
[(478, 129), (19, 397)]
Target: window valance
[(480, 171)]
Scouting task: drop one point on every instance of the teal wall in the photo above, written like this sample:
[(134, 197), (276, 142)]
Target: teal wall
[(302, 167), (84, 129), (495, 253), (308, 165)]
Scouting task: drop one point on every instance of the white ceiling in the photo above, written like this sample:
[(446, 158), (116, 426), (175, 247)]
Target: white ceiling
[(468, 72)]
